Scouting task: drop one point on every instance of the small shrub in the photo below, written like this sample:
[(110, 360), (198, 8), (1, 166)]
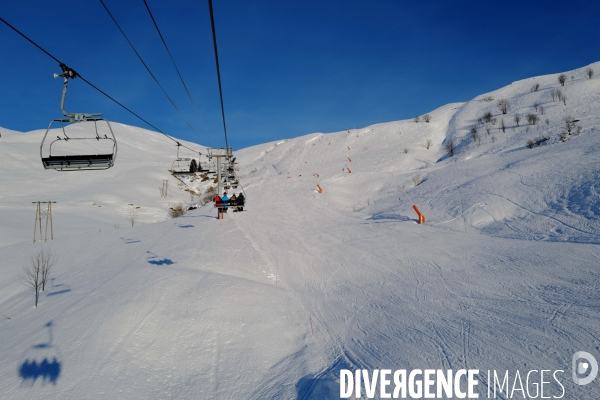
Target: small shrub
[(542, 110), (428, 144), (536, 105), (564, 100), (487, 117), (536, 142), (493, 139), (427, 118), (570, 123), (474, 133), (503, 126), (562, 78), (405, 150), (488, 98), (589, 72), (450, 148), (517, 119), (535, 87), (176, 210), (503, 105), (416, 119), (532, 119)]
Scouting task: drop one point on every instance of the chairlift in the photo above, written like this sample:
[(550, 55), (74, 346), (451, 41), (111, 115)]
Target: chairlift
[(182, 166), (78, 151)]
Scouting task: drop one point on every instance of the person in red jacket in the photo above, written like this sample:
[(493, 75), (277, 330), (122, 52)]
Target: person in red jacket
[(218, 202)]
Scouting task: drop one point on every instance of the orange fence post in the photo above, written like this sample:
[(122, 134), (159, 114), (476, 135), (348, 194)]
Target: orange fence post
[(320, 188), (421, 216), (349, 170), (349, 159), (348, 147)]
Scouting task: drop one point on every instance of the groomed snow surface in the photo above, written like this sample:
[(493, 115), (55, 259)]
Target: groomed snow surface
[(271, 303)]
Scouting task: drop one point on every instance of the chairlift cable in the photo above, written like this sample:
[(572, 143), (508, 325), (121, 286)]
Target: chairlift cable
[(92, 85), (214, 35), (178, 73), (31, 41), (147, 68)]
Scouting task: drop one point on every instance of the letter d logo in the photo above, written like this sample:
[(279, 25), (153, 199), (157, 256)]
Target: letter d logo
[(580, 367)]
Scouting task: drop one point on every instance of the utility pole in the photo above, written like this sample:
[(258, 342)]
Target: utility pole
[(38, 217)]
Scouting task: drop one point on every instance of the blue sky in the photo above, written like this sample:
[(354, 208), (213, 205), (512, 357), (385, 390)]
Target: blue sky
[(288, 68)]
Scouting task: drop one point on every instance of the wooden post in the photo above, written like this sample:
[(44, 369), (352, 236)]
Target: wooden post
[(50, 213), (37, 215)]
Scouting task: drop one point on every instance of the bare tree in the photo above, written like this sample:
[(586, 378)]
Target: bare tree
[(503, 125), (562, 78), (558, 94), (36, 273), (450, 147), (46, 259), (564, 100), (536, 105), (426, 117), (532, 119), (535, 87), (517, 119), (132, 216), (542, 110), (590, 72), (32, 277), (416, 119), (503, 105)]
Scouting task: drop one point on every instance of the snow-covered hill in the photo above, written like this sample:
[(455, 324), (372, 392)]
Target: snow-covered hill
[(273, 302)]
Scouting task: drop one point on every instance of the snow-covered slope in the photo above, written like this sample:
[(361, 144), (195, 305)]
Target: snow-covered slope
[(273, 302)]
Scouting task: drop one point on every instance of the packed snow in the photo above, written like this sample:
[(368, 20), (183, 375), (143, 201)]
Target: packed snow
[(273, 302)]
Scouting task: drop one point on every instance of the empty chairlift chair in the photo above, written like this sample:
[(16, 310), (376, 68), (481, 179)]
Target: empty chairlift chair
[(182, 166), (80, 149)]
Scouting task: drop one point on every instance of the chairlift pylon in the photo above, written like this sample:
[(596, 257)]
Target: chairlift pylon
[(65, 156)]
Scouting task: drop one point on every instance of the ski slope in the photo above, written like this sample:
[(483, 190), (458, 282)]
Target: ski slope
[(271, 303)]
